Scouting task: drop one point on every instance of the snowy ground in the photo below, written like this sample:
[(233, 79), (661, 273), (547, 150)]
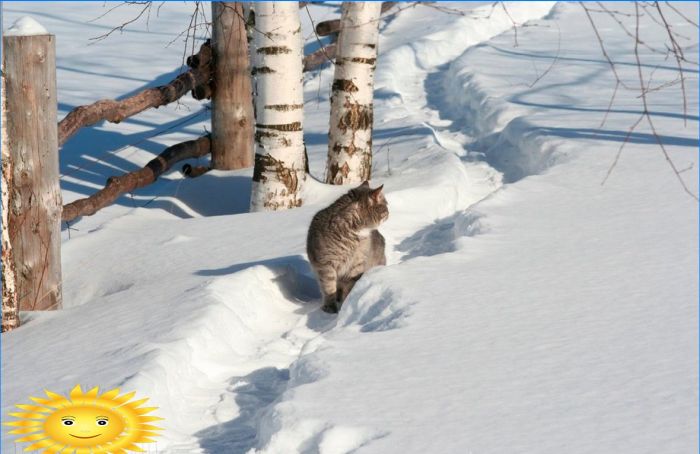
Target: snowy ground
[(526, 308)]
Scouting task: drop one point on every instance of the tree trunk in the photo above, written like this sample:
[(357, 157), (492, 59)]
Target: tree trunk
[(232, 102), (35, 213), (279, 107), (332, 26), (10, 308), (350, 133)]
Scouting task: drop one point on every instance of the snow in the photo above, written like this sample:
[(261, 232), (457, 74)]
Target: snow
[(526, 306), (26, 26)]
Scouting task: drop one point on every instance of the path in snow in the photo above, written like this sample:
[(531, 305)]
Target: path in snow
[(206, 348), (426, 105)]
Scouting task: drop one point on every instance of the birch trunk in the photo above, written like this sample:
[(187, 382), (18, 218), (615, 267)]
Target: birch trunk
[(279, 107), (10, 307), (350, 133)]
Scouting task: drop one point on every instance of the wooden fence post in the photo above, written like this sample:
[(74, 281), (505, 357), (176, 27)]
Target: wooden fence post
[(29, 64), (232, 104)]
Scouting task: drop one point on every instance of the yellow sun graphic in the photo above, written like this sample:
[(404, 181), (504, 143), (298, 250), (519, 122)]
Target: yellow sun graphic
[(85, 423)]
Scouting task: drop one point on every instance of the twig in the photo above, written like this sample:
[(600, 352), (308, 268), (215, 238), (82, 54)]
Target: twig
[(554, 61), (678, 54), (619, 151), (515, 26), (318, 40), (602, 46), (647, 115), (121, 27), (687, 19)]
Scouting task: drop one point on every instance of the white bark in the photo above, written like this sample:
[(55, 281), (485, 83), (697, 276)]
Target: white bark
[(350, 134), (279, 107), (10, 307)]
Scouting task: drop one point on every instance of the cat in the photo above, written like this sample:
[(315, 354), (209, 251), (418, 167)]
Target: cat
[(343, 242)]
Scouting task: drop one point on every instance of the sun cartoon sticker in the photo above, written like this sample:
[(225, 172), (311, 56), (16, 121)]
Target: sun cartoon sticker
[(85, 423)]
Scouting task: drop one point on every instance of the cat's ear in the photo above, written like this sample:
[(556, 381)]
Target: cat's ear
[(376, 194), (365, 184)]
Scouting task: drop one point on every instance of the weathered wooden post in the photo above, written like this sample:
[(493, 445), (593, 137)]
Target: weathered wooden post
[(29, 65), (232, 117)]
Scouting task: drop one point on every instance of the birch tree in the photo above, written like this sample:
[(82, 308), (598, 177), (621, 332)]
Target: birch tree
[(350, 134), (10, 306), (279, 102)]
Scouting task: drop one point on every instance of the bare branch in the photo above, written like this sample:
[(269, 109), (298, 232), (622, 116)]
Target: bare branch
[(116, 186), (116, 111), (191, 171), (319, 57)]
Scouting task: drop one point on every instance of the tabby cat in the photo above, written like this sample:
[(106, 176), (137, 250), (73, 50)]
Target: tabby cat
[(343, 242)]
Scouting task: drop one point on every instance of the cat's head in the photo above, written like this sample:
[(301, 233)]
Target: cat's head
[(371, 204)]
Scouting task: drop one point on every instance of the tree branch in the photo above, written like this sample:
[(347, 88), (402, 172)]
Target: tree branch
[(319, 57), (128, 182), (116, 111)]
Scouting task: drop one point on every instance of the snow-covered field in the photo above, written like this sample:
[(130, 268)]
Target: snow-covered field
[(526, 307)]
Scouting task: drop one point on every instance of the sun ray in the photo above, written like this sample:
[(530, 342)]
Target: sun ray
[(53, 450), (46, 443), (150, 418), (56, 398), (137, 403), (25, 430), (124, 397), (28, 415), (33, 437), (144, 410), (23, 423), (49, 403), (111, 394), (33, 408)]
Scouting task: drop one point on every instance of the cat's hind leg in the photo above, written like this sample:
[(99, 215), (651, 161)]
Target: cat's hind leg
[(346, 284), (328, 280)]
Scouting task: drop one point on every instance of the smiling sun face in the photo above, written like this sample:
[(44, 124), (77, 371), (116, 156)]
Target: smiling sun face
[(83, 426), (85, 422)]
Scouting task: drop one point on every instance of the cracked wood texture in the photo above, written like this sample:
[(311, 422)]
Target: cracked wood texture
[(352, 111), (35, 208), (280, 161), (232, 119)]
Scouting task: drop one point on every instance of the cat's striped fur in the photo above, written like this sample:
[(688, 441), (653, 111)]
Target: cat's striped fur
[(343, 242)]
